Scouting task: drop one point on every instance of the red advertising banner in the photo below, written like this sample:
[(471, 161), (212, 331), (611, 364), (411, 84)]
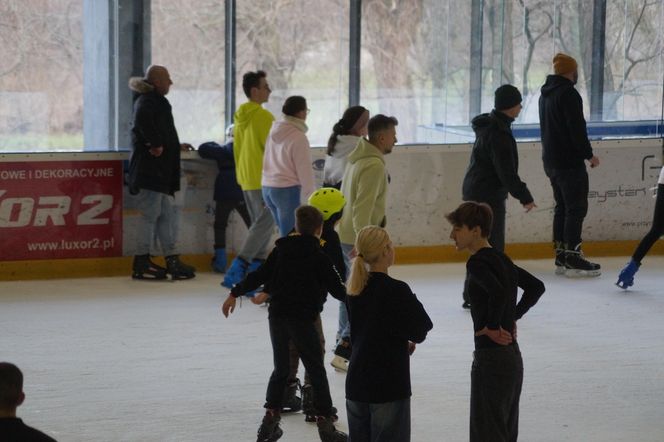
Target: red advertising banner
[(60, 209)]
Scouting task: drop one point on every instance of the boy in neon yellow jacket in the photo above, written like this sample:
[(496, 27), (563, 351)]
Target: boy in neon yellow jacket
[(252, 125)]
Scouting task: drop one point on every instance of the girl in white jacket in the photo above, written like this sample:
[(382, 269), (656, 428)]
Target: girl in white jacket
[(345, 135)]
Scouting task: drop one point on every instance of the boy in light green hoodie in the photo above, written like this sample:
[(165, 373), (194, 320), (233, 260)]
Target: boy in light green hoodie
[(364, 185), (252, 126)]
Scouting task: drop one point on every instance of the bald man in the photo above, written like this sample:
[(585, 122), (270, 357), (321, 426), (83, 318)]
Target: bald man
[(154, 175)]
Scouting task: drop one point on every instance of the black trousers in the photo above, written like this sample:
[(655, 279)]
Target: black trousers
[(222, 211), (304, 336), (570, 191), (495, 388), (656, 230)]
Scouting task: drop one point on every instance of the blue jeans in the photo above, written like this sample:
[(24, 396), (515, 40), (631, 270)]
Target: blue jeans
[(282, 202), (262, 224), (387, 422), (158, 221), (344, 323)]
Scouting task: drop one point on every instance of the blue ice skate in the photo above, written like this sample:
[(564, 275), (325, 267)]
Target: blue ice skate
[(235, 273), (626, 277)]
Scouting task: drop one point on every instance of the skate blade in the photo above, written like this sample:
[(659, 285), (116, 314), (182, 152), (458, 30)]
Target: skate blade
[(560, 270), (576, 273)]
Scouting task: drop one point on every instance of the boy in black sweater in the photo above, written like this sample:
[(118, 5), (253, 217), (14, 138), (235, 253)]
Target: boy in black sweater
[(493, 282), (298, 276)]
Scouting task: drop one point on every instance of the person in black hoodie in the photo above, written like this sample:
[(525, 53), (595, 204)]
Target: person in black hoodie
[(12, 428), (387, 321), (565, 148), (494, 162), (298, 275), (493, 283), (154, 175)]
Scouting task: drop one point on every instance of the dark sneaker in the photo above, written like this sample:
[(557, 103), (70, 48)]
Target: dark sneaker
[(327, 431), (560, 258), (292, 402), (269, 431)]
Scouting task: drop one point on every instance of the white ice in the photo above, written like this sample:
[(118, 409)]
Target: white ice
[(111, 359)]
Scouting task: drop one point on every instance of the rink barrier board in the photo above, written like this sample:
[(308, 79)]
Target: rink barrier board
[(425, 185), (119, 266)]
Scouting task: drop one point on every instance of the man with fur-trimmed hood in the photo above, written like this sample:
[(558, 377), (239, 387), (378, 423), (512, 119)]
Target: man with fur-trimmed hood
[(154, 175)]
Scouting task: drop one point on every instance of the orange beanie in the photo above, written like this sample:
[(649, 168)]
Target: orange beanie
[(563, 64)]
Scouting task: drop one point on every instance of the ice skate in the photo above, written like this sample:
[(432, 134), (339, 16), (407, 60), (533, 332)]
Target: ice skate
[(308, 405), (219, 260), (144, 268), (560, 257), (177, 269), (235, 273), (342, 356), (292, 403), (327, 431), (576, 266), (269, 431), (626, 277)]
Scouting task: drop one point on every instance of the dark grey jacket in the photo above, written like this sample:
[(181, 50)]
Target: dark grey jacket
[(494, 162)]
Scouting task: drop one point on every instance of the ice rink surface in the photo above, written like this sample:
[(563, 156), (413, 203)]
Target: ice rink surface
[(111, 359)]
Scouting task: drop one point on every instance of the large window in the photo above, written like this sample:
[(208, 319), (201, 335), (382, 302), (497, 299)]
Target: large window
[(434, 64), (188, 38), (41, 75), (302, 45)]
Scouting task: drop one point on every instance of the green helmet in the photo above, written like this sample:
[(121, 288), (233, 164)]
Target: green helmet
[(328, 200)]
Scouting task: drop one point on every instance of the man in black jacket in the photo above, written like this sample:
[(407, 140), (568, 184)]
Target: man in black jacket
[(154, 175), (493, 171), (565, 148)]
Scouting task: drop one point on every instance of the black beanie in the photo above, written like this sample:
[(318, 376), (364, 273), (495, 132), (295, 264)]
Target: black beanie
[(507, 96)]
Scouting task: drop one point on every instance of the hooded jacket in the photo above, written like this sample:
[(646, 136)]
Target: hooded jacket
[(225, 185), (299, 275), (287, 160), (252, 125), (153, 126), (335, 164), (565, 142), (364, 186), (494, 162)]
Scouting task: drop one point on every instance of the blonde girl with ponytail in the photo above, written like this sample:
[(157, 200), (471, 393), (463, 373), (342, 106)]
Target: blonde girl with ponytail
[(387, 320)]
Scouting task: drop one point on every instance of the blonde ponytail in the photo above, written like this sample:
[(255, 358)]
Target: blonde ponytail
[(369, 244)]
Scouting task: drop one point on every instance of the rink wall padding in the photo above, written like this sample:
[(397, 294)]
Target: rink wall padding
[(425, 184)]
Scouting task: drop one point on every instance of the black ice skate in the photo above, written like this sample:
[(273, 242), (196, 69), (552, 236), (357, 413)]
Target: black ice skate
[(269, 431), (177, 269), (342, 355), (560, 257), (144, 268), (292, 402), (577, 266), (308, 405), (327, 431)]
